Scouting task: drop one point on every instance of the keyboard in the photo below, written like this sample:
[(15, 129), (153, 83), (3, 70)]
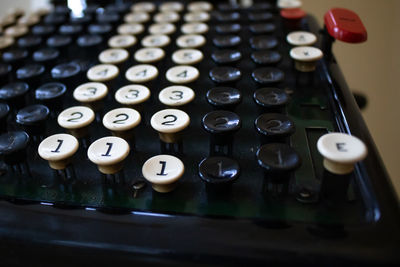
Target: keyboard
[(186, 132)]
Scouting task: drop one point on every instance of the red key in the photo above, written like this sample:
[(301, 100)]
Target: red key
[(293, 13), (345, 25)]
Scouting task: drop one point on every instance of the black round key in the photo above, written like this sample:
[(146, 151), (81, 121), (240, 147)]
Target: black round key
[(43, 30), (5, 73), (29, 42), (118, 7), (228, 7), (226, 56), (263, 16), (224, 97), (81, 20), (228, 28), (33, 119), (16, 57), (59, 41), (268, 75), (274, 126), (227, 41), (89, 40), (225, 17), (221, 122), (30, 73), (225, 74), (277, 158), (4, 110), (61, 9), (14, 93), (263, 42), (99, 29), (54, 19), (13, 147), (108, 17), (266, 57), (65, 71), (50, 92), (47, 56), (91, 9), (271, 98), (219, 170), (260, 6), (260, 28), (83, 64), (70, 29)]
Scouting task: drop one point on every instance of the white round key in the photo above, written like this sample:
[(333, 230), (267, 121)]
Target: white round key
[(113, 56), (7, 20), (156, 40), (162, 28), (182, 74), (143, 7), (137, 17), (289, 4), (305, 57), (122, 41), (170, 121), (102, 73), (132, 94), (200, 6), (75, 117), (121, 119), (190, 41), (187, 56), (171, 6), (176, 95), (301, 38), (194, 28), (108, 153), (141, 73), (130, 29), (163, 171), (16, 31), (169, 16), (58, 149), (90, 92), (149, 54), (196, 17), (6, 41), (29, 20), (341, 151)]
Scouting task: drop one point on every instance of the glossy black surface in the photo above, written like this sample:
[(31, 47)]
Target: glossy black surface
[(4, 110), (15, 55), (99, 28), (89, 40), (13, 90), (54, 19), (58, 41), (43, 30), (274, 125), (228, 28), (29, 42), (30, 71), (263, 42), (226, 56), (277, 158), (221, 121), (225, 74), (271, 97), (227, 17), (225, 41), (219, 170), (268, 75), (5, 71), (13, 142), (266, 57), (65, 71), (262, 28), (107, 17), (224, 97), (50, 91), (70, 29), (32, 115), (85, 19), (263, 16), (45, 55)]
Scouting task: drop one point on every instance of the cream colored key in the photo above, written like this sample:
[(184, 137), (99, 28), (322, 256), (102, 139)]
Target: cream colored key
[(137, 17), (187, 56), (91, 94), (122, 41), (113, 56), (29, 20), (301, 38), (194, 28), (162, 28), (141, 73), (130, 29), (166, 17), (200, 6), (143, 7), (7, 20), (122, 121), (196, 17), (149, 55), (6, 42), (163, 172), (190, 41), (108, 153), (16, 31), (132, 94), (76, 119), (305, 57), (182, 74), (171, 6), (169, 123), (58, 150), (102, 73), (176, 95), (156, 40), (289, 4)]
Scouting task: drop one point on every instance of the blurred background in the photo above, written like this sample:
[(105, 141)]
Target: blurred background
[(372, 68)]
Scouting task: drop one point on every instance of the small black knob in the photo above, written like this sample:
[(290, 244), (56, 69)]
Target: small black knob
[(225, 41), (101, 29), (271, 99), (43, 30), (13, 147), (262, 28), (81, 20), (219, 171), (266, 57), (228, 28), (54, 19), (5, 73), (31, 73), (225, 74), (226, 56), (4, 111), (227, 17), (30, 42), (33, 119), (263, 42), (263, 16), (224, 97), (274, 127), (67, 73), (51, 94), (46, 56), (16, 57), (14, 94), (70, 29), (268, 75)]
